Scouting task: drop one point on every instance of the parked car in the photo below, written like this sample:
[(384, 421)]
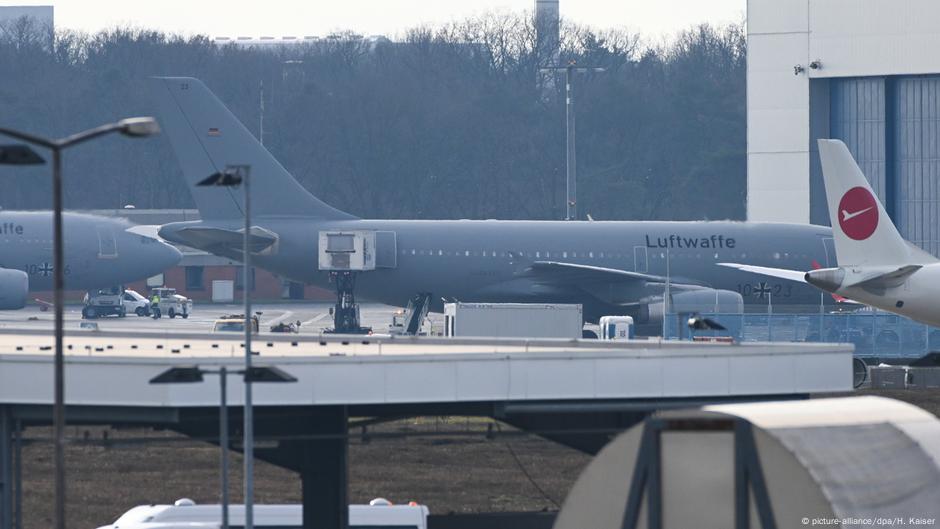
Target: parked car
[(236, 323)]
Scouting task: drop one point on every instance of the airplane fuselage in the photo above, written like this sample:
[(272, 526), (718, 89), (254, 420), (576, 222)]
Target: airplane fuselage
[(602, 265), (915, 298), (98, 251), (477, 261)]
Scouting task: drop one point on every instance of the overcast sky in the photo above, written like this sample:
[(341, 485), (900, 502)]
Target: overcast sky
[(255, 18)]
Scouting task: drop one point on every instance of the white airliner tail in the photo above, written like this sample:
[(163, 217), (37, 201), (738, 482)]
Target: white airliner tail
[(864, 234)]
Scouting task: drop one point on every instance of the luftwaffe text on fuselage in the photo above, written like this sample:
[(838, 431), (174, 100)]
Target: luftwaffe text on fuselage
[(11, 228), (678, 241)]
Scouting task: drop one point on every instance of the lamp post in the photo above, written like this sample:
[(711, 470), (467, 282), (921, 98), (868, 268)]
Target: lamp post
[(571, 170), (189, 374), (233, 176), (133, 127)]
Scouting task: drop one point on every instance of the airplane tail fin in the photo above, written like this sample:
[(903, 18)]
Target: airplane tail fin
[(863, 232), (206, 138)]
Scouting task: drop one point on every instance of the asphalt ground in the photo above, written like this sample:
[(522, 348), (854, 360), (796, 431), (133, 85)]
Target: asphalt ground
[(314, 318)]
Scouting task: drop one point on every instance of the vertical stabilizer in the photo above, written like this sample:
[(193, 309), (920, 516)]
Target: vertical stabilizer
[(206, 138), (863, 232)]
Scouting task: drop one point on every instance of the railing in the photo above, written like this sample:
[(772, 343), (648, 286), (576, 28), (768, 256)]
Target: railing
[(875, 334)]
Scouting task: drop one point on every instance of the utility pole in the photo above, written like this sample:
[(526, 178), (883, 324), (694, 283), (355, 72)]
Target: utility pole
[(571, 171), (224, 443), (261, 115), (248, 449)]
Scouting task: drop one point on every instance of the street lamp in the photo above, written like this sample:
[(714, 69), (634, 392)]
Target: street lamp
[(233, 176), (571, 179), (190, 374), (132, 127), (19, 155)]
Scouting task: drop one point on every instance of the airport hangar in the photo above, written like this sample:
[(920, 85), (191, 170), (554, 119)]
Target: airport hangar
[(580, 393), (862, 71)]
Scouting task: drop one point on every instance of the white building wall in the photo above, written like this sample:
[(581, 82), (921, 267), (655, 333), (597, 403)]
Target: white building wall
[(850, 38), (777, 111), (875, 37)]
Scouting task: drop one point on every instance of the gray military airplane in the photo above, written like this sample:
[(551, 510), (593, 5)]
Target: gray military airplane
[(622, 267), (99, 252)]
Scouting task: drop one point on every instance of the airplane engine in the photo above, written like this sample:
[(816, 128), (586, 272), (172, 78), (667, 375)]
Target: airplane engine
[(708, 300), (14, 287)]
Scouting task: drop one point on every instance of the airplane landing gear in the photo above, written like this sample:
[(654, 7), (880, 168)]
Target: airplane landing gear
[(346, 310)]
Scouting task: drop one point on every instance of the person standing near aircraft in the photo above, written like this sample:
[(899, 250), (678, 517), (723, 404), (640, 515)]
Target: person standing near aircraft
[(155, 305)]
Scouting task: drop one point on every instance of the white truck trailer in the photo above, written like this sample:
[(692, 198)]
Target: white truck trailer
[(513, 320), (185, 514)]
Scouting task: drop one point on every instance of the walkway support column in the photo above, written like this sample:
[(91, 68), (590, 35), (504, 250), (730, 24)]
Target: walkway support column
[(6, 468), (324, 474)]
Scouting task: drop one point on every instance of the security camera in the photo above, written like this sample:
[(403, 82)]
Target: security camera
[(798, 69), (816, 65)]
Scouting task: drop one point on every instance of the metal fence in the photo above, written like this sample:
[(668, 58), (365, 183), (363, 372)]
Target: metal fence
[(875, 334)]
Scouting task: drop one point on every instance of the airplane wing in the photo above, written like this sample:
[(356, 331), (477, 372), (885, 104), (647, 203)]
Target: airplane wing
[(782, 273), (578, 274)]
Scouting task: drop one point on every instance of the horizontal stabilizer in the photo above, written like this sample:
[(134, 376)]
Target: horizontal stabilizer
[(145, 230), (214, 239), (881, 277), (782, 273)]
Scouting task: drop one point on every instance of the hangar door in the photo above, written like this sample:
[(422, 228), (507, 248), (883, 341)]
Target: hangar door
[(917, 160), (892, 127)]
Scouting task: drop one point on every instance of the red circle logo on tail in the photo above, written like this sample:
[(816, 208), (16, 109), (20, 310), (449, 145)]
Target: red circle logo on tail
[(858, 213)]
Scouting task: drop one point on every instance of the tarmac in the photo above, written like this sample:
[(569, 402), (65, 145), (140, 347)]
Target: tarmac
[(314, 318)]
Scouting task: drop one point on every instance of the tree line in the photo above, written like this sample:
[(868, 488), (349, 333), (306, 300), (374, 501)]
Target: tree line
[(445, 122)]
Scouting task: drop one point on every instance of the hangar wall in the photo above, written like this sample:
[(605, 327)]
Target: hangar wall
[(875, 85)]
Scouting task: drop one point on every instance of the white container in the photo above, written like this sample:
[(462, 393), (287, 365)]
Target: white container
[(185, 514), (513, 320), (223, 291)]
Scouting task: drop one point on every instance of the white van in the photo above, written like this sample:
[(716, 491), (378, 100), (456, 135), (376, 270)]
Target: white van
[(185, 514), (134, 303)]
